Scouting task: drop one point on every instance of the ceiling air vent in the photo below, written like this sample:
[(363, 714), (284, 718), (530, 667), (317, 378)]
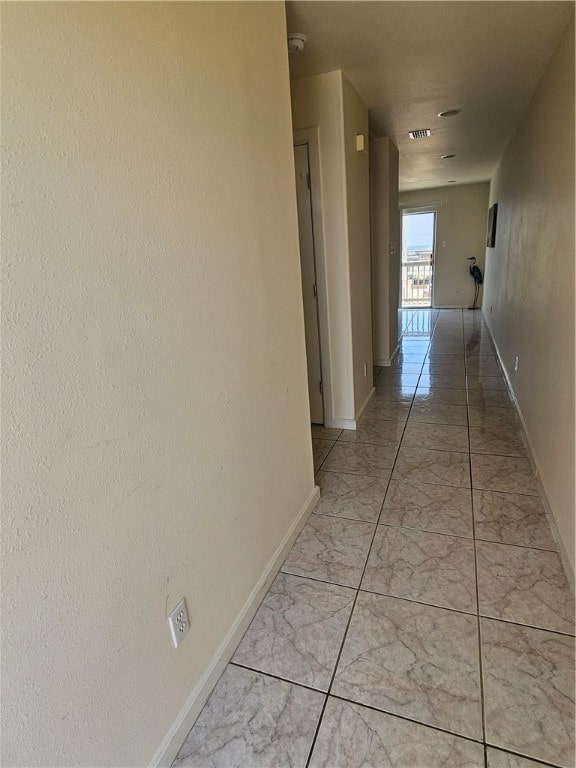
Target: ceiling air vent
[(421, 133)]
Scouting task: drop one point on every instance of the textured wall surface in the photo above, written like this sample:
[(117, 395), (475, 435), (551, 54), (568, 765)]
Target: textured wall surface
[(386, 257), (317, 102), (329, 102), (529, 291), (355, 115), (156, 435)]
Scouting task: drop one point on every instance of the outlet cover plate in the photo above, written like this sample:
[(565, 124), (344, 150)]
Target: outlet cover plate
[(178, 623)]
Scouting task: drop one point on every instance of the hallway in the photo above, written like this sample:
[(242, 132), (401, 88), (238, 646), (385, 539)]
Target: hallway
[(395, 577)]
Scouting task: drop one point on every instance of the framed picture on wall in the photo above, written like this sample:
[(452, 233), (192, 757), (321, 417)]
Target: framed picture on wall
[(491, 234)]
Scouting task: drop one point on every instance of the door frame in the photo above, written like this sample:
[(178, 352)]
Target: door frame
[(421, 209), (311, 137)]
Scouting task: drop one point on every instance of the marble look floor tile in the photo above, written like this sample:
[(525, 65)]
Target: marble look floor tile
[(443, 367), (352, 496), (408, 357), (493, 416), (411, 345), (252, 720), (441, 381), (450, 337), (524, 585), (482, 383), (395, 378), (436, 508), (298, 630), (380, 408), (438, 359), (447, 346), (428, 567), (439, 414), (511, 518), (496, 758), (445, 437), (503, 473), (320, 449), (489, 397), (497, 440), (413, 660), (394, 392), (419, 465), (325, 433), (352, 736), (483, 366), (331, 549), (479, 349), (362, 459), (375, 431), (405, 366), (440, 396), (529, 691), (412, 354)]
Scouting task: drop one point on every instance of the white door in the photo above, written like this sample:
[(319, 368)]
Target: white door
[(309, 290)]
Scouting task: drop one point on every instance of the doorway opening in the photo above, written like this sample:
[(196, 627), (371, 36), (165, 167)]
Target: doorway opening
[(418, 245)]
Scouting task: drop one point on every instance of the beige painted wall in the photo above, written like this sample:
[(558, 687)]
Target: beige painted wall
[(155, 407), (329, 102), (462, 212), (529, 290), (317, 102), (385, 219), (358, 219)]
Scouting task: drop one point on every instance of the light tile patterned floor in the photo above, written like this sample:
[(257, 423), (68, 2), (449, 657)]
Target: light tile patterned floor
[(422, 618)]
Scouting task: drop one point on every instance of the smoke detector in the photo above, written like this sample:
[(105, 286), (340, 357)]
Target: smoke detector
[(296, 42)]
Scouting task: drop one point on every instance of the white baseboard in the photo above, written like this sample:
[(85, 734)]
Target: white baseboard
[(386, 361), (340, 423), (532, 457), (350, 423), (365, 404), (179, 729)]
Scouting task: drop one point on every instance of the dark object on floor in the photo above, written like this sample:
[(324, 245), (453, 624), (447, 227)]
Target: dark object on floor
[(478, 280)]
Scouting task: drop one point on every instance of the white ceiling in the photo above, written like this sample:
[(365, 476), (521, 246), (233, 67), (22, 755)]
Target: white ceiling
[(410, 60)]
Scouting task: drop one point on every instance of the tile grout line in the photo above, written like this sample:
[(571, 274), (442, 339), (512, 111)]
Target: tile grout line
[(421, 602), (479, 634), (428, 530), (345, 635), (440, 485), (408, 719), (325, 457)]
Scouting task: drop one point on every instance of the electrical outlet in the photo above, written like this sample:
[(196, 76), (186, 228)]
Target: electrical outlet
[(178, 623), (365, 369), (516, 364)]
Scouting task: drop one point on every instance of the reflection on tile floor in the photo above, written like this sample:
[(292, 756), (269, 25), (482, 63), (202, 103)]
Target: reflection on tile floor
[(422, 618)]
